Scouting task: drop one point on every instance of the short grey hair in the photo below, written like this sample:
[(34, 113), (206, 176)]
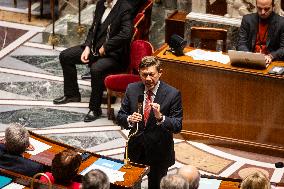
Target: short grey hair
[(192, 175), (16, 139), (174, 181), (95, 179)]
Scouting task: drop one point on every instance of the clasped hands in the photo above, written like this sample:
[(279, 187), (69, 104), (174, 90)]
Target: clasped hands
[(268, 58), (86, 53), (137, 117)]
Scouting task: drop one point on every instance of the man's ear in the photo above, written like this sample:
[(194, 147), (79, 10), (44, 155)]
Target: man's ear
[(160, 71)]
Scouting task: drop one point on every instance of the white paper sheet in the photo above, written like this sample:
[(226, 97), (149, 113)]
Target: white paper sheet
[(113, 175), (39, 146), (13, 186), (206, 183), (199, 54)]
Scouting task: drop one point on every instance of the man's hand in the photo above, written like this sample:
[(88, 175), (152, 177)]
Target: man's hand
[(30, 148), (268, 58), (156, 110), (102, 51), (85, 55), (135, 117)]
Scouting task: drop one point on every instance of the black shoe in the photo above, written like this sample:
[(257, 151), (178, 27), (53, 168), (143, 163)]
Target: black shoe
[(86, 76), (65, 100), (92, 115)]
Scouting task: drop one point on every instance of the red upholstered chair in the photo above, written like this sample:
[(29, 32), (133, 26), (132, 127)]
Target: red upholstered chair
[(147, 11), (117, 84)]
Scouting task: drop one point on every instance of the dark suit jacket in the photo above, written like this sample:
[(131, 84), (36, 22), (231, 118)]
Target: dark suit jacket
[(275, 39), (119, 26), (18, 163), (153, 145)]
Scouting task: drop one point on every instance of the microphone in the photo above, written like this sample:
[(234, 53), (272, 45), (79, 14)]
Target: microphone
[(279, 165), (140, 104)]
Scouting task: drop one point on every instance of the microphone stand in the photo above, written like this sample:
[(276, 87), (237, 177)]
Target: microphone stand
[(126, 160)]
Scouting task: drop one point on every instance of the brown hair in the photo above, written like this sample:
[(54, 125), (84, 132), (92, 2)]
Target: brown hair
[(149, 61), (65, 166)]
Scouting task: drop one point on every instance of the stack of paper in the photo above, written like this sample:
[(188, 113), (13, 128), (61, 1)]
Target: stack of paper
[(14, 186), (199, 54), (38, 146), (206, 183), (110, 168)]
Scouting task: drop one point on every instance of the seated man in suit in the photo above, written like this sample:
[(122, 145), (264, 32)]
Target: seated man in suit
[(263, 32), (136, 6), (16, 142), (105, 50), (152, 128)]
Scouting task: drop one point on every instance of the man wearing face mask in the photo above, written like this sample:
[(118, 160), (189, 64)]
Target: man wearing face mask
[(105, 50), (157, 120), (263, 32)]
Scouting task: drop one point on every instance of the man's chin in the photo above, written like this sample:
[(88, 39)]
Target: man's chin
[(149, 86), (263, 17)]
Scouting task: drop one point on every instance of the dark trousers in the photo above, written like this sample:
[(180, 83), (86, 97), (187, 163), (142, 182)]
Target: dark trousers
[(155, 175), (99, 69)]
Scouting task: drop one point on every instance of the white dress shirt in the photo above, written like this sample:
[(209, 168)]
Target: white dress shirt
[(107, 11)]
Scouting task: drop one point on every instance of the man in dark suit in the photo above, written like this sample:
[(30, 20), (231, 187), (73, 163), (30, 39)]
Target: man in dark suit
[(15, 144), (136, 5), (106, 50), (161, 116), (263, 32)]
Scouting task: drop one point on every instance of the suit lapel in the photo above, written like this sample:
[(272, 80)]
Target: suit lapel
[(101, 10), (271, 29), (113, 13), (161, 94), (254, 31)]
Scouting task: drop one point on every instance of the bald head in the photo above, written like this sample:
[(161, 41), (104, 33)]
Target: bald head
[(191, 173)]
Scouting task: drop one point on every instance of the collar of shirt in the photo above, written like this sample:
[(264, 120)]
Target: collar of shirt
[(108, 9), (154, 90), (110, 5)]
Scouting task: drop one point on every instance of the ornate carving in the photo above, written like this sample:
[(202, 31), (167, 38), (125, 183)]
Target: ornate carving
[(278, 9), (238, 8)]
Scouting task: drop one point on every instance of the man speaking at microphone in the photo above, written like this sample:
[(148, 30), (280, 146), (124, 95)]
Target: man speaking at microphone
[(157, 120)]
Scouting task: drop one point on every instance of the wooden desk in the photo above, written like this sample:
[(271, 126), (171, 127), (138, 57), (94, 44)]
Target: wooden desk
[(26, 181), (228, 105), (132, 176)]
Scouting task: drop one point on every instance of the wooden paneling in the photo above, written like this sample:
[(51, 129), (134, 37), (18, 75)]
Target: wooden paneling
[(228, 103)]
